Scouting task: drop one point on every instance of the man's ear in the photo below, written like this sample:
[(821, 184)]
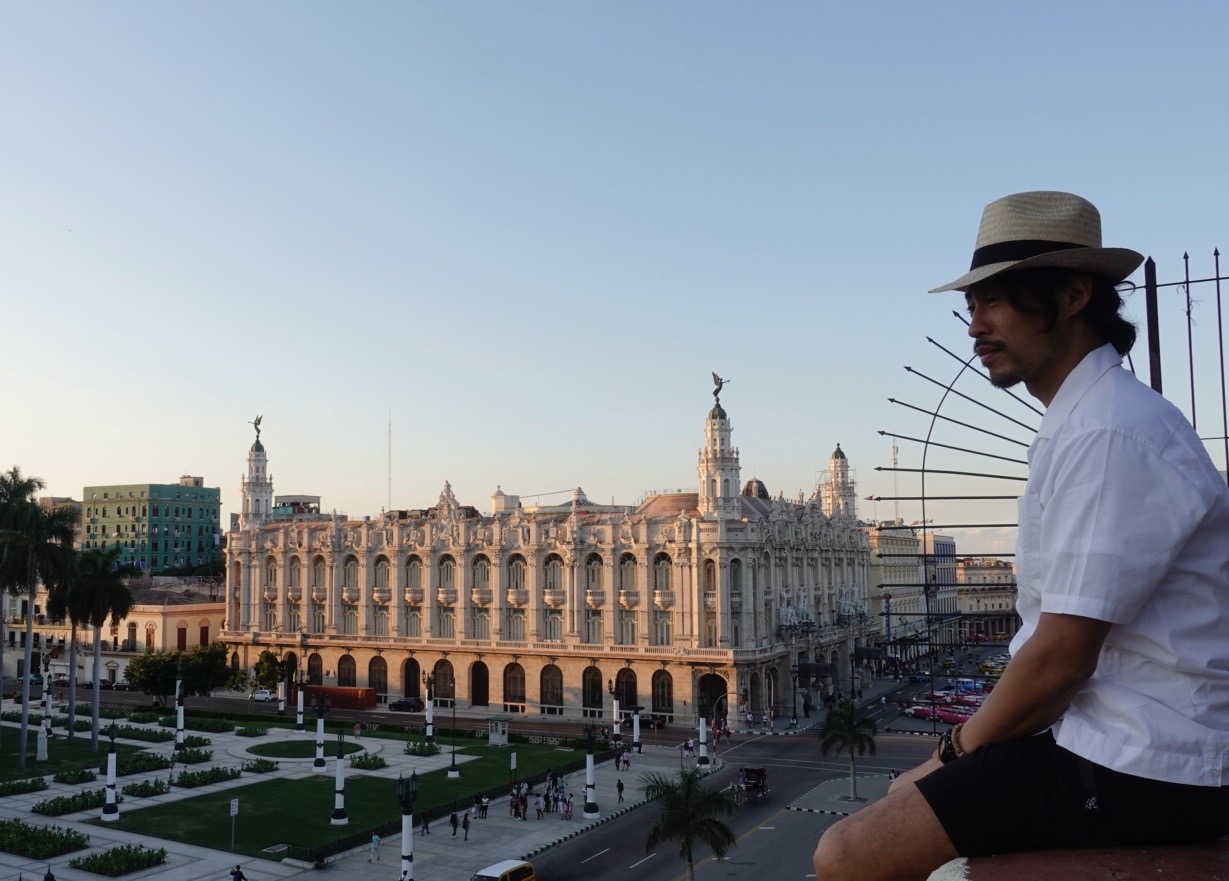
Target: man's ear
[(1076, 295)]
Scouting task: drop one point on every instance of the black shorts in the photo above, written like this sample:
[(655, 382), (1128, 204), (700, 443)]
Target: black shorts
[(1031, 794)]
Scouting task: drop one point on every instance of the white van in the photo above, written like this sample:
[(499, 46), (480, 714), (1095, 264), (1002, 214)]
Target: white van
[(508, 870)]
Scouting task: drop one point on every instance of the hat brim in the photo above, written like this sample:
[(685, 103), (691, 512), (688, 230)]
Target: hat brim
[(1114, 263)]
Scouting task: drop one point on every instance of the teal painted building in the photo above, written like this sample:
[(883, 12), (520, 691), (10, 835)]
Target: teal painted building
[(157, 526)]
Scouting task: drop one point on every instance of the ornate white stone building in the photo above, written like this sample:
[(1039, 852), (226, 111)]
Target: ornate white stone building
[(690, 601)]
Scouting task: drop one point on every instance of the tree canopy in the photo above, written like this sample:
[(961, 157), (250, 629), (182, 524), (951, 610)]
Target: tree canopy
[(843, 732), (690, 814)]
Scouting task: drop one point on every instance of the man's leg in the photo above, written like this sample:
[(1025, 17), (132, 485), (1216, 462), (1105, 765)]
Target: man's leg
[(859, 849)]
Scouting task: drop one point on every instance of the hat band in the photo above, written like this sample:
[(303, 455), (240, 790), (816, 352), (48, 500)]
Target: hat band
[(1020, 249)]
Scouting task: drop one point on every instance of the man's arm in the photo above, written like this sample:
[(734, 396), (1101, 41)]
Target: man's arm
[(1036, 687)]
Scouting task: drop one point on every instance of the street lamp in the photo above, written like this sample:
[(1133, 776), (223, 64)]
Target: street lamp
[(110, 810), (298, 719), (179, 726), (407, 794), (793, 670), (453, 771), (321, 707), (590, 810), (338, 817), (428, 680), (615, 709)]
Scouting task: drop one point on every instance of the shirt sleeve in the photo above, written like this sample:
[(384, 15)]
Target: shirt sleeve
[(1114, 515)]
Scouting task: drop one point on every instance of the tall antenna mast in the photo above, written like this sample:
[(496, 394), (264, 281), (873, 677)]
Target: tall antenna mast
[(390, 461), (895, 481)]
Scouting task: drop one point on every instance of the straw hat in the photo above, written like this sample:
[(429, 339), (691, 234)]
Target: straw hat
[(1042, 229)]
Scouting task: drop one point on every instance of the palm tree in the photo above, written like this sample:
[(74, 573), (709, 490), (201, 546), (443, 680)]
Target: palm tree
[(100, 580), (842, 732), (35, 545), (690, 813), (70, 600)]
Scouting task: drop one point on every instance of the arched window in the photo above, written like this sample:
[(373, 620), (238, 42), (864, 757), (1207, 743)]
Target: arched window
[(317, 617), (151, 637), (349, 621), (551, 682), (625, 688), (270, 572), (736, 576), (382, 573), (234, 660), (318, 574), (347, 672), (593, 626), (270, 616), (516, 573), (514, 688), (710, 576), (445, 682), (349, 573), (627, 572), (710, 633), (413, 621), (447, 568), (661, 572), (554, 627), (482, 624), (381, 621), (413, 573), (554, 573), (482, 573), (444, 620), (593, 573), (516, 625), (662, 629), (295, 573)]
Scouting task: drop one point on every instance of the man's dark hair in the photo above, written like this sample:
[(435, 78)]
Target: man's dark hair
[(1035, 292)]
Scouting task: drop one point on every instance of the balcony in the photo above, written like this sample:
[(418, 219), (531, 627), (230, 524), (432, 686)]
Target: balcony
[(349, 594), (381, 595), (710, 600), (446, 596), (629, 599), (736, 602), (595, 599), (553, 597), (518, 596), (663, 599), (414, 596), (481, 596)]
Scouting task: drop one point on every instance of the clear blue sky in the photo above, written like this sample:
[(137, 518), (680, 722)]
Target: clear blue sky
[(529, 231)]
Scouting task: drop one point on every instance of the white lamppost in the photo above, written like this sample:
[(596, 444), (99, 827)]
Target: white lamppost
[(110, 811), (298, 719), (179, 745), (429, 681), (702, 762), (338, 817), (590, 811), (407, 793), (321, 707)]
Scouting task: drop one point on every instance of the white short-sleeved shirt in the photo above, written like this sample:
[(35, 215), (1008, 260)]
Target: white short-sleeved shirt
[(1125, 519)]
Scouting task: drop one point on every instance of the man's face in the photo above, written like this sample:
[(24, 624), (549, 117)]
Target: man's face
[(1014, 346)]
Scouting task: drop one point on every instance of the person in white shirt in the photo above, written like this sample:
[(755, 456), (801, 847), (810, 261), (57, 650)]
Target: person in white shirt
[(1110, 724)]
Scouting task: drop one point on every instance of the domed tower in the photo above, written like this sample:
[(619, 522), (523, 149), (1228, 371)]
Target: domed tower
[(718, 468), (256, 490), (839, 490)]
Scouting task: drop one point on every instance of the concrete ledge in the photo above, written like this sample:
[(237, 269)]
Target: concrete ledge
[(1190, 862)]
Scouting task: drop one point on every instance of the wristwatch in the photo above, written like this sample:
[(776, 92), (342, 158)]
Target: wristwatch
[(947, 748)]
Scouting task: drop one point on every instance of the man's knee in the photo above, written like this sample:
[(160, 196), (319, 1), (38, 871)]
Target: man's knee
[(836, 854)]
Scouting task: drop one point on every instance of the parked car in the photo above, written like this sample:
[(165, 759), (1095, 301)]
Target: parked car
[(124, 685), (407, 705), (652, 720), (262, 694), (105, 684)]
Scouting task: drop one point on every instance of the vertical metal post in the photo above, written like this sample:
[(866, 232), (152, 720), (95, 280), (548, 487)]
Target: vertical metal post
[(1154, 327)]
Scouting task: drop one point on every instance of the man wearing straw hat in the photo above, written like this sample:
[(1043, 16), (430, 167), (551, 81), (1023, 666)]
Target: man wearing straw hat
[(1110, 725)]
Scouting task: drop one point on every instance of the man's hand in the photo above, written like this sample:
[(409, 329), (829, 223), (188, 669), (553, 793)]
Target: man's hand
[(915, 774)]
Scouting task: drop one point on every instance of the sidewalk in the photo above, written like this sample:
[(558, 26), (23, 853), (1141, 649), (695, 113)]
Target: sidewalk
[(436, 856)]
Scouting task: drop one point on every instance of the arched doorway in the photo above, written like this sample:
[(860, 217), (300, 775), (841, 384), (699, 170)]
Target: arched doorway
[(625, 690), (479, 685), (663, 694), (591, 693), (315, 669), (711, 696), (755, 701), (411, 678), (551, 684), (445, 683), (291, 662), (347, 672), (514, 688), (377, 678)]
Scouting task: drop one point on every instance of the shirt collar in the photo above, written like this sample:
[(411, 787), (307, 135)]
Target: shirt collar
[(1092, 367)]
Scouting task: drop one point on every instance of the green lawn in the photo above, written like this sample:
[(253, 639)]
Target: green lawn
[(60, 753), (296, 812), (300, 749)]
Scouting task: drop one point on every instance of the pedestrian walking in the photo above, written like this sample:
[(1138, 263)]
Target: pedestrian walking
[(619, 789), (538, 805), (358, 730), (454, 823), (426, 825), (465, 825), (236, 874), (486, 805), (375, 848)]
